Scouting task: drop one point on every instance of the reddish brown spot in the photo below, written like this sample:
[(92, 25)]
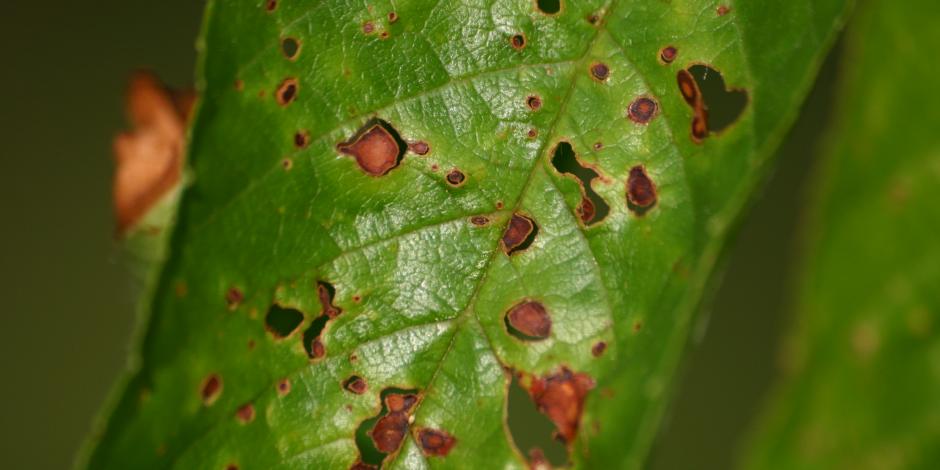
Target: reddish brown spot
[(239, 85), (637, 326), (301, 139), (181, 289), (357, 298), (368, 27), (499, 205), (363, 466), (700, 125), (723, 10), (586, 211), (600, 71), (455, 177), (375, 150), (479, 220), (317, 349), (383, 35), (519, 234), (642, 110), (286, 91), (668, 54), (355, 384), (561, 397), (690, 91), (436, 442), (533, 102), (234, 298), (598, 145), (529, 320), (599, 348), (325, 293), (537, 460), (211, 389), (533, 133), (245, 413), (392, 17), (290, 47), (271, 5), (641, 192), (390, 430), (435, 167), (283, 387), (593, 18), (517, 41), (688, 87), (287, 164), (419, 147)]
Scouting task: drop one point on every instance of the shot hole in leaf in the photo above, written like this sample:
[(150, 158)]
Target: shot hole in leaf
[(592, 208), (281, 322), (517, 41), (287, 91), (714, 106), (531, 430), (290, 47), (519, 234), (549, 7)]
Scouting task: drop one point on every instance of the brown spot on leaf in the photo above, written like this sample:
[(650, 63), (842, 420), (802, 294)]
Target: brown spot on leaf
[(375, 149), (317, 349), (325, 293), (519, 234), (455, 177), (282, 322), (290, 47), (234, 298), (533, 133), (641, 192), (392, 17), (600, 71), (239, 85), (534, 102), (586, 211), (723, 10), (419, 147), (211, 389), (479, 220), (245, 413), (714, 105), (561, 397), (700, 126), (598, 349), (231, 466), (593, 19), (668, 54), (286, 91), (537, 460), (390, 430), (283, 387), (435, 442), (270, 5), (363, 466), (688, 88), (517, 41), (642, 110), (149, 159), (499, 205), (287, 164), (592, 208), (529, 320), (301, 139), (355, 384)]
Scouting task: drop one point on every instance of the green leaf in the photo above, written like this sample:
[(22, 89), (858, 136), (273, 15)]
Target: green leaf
[(863, 384), (411, 268)]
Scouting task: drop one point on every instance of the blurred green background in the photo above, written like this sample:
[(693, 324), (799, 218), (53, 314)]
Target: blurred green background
[(70, 320)]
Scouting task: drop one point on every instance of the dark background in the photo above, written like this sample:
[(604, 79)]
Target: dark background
[(70, 301)]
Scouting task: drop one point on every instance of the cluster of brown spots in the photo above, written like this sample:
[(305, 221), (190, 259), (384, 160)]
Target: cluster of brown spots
[(642, 110), (693, 96), (245, 413), (270, 5), (533, 102), (600, 71), (355, 384), (668, 54), (528, 320), (234, 298), (301, 139), (419, 147), (723, 10), (479, 220), (283, 387), (390, 430), (598, 349), (149, 159), (641, 192), (392, 17), (384, 35), (561, 397), (282, 322), (290, 47), (637, 326), (325, 293), (287, 91), (435, 442), (517, 41), (210, 389), (375, 149), (519, 234), (455, 177)]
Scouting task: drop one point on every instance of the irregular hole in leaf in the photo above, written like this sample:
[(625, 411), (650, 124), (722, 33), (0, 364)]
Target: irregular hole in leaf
[(715, 107), (234, 298), (326, 292), (286, 91), (301, 139), (641, 192), (377, 147), (211, 389), (600, 71), (355, 384), (382, 434), (312, 343), (290, 47), (593, 208), (533, 102), (245, 413), (517, 41), (668, 54), (529, 321), (455, 177), (281, 322), (642, 110), (519, 234), (549, 7), (435, 442), (530, 430)]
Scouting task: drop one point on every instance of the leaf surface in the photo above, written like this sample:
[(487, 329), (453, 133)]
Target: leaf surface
[(411, 262), (863, 383)]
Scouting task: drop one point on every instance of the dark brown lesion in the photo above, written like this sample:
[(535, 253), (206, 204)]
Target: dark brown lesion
[(714, 106), (355, 384), (391, 429), (377, 148), (600, 71), (211, 389), (455, 177), (529, 320), (668, 54), (641, 191), (642, 110), (519, 234), (435, 442), (287, 91), (592, 208), (560, 397)]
